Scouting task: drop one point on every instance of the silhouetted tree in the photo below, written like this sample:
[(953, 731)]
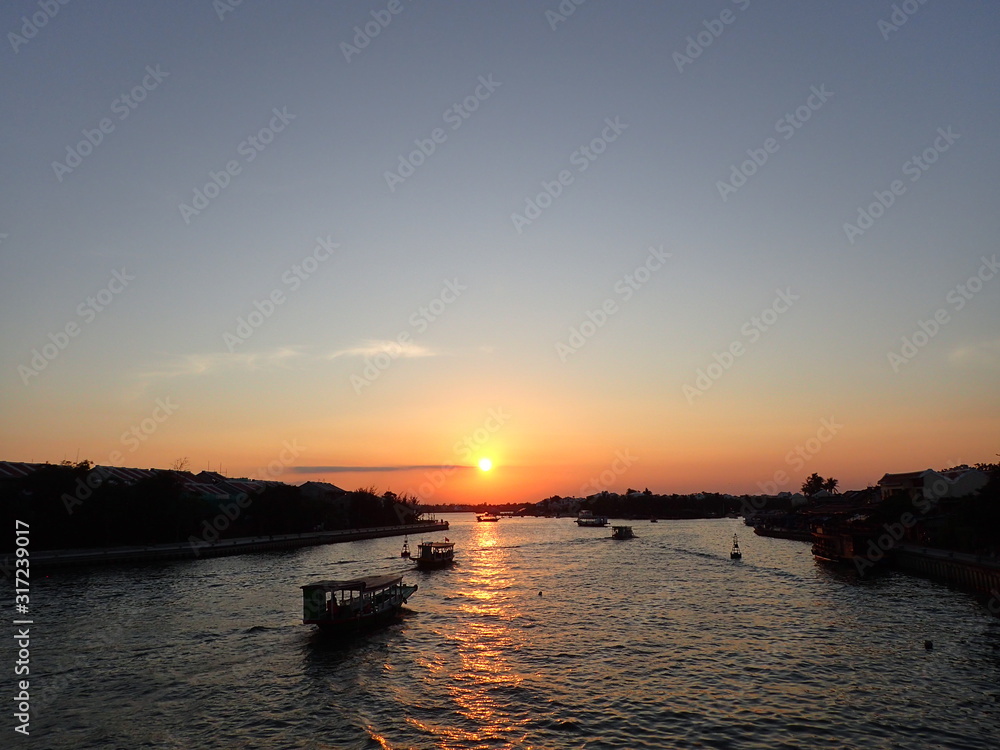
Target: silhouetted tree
[(989, 468), (812, 485), (830, 484)]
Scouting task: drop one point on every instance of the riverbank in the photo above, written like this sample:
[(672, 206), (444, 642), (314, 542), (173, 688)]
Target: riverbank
[(974, 573), (977, 574), (239, 546)]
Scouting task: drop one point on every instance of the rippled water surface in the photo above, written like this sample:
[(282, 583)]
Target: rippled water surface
[(543, 635)]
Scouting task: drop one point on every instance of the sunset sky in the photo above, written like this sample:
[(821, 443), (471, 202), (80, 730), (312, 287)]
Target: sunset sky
[(683, 246)]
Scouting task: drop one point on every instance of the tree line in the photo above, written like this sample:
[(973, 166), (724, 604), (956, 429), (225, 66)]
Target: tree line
[(65, 511)]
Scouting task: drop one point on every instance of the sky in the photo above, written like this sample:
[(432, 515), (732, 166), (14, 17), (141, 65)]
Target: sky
[(699, 246)]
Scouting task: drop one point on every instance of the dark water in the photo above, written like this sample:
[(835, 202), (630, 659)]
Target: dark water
[(655, 642)]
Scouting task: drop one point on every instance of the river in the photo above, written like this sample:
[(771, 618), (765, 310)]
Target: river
[(542, 635)]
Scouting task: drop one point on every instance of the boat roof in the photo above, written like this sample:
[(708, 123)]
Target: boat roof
[(437, 544), (357, 584)]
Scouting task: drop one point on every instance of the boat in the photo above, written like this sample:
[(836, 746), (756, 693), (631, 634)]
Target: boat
[(435, 554), (487, 517), (354, 605), (653, 520), (406, 548), (736, 554), (586, 518), (778, 532), (621, 532), (845, 542)]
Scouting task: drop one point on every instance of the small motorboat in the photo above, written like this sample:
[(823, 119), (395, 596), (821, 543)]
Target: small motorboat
[(622, 532), (406, 548), (487, 517), (342, 607), (435, 554), (736, 554), (587, 518)]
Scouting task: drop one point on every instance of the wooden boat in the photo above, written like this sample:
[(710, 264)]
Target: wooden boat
[(844, 543), (735, 554), (802, 535), (406, 548), (435, 554), (487, 517), (354, 605), (586, 518), (621, 532)]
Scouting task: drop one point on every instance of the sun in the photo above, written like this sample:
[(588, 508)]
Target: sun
[(485, 464)]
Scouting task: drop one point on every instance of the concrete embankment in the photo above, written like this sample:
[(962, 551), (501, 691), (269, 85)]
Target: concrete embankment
[(970, 572), (200, 548)]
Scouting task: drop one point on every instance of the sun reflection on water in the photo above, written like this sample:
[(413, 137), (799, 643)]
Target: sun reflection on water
[(483, 679)]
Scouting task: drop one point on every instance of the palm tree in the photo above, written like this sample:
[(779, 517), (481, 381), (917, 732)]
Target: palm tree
[(830, 485), (812, 485)]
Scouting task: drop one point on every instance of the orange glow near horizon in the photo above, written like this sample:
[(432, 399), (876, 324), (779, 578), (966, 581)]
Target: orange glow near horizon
[(540, 444)]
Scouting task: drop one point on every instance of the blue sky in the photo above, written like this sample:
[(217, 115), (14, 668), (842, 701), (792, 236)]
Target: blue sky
[(552, 91)]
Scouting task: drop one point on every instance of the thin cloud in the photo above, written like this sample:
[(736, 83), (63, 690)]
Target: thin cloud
[(394, 349), (985, 354), (285, 357), (215, 362)]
